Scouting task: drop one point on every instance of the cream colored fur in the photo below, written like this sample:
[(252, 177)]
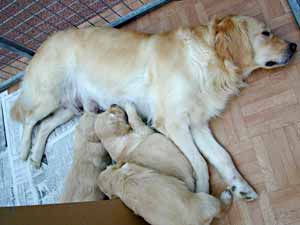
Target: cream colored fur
[(135, 142), (160, 199), (179, 80), (89, 159)]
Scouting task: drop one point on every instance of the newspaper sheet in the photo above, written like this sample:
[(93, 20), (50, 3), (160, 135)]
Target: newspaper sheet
[(20, 182), (2, 130), (6, 193)]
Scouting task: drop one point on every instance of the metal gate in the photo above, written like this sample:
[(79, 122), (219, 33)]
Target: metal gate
[(25, 24)]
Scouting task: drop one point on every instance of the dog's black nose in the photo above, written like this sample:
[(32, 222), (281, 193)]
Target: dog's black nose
[(293, 47)]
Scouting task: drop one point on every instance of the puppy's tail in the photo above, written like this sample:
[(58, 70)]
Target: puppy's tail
[(17, 112)]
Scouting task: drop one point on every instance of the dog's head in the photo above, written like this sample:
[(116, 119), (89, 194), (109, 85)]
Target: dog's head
[(112, 123), (249, 44)]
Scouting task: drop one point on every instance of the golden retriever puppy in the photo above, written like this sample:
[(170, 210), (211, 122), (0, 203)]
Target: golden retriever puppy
[(89, 159), (133, 141), (160, 199), (179, 80)]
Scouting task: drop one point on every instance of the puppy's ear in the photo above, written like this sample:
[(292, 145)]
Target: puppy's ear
[(232, 42)]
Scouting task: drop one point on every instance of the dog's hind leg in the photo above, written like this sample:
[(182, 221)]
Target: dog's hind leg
[(47, 126), (31, 119)]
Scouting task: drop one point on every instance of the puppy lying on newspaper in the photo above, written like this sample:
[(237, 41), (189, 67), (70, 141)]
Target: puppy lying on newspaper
[(135, 143), (89, 159), (156, 180)]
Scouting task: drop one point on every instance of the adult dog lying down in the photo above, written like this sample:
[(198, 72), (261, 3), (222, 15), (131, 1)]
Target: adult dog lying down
[(160, 199), (133, 141), (89, 159), (179, 80)]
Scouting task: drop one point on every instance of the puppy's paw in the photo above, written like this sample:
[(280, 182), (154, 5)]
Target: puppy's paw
[(243, 190)]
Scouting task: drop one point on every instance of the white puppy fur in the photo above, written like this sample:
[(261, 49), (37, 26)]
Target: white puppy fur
[(160, 199), (135, 142), (89, 159)]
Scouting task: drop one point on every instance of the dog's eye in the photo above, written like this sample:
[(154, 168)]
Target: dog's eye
[(266, 33)]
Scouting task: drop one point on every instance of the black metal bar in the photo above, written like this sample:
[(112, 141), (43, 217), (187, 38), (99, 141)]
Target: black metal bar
[(11, 81), (23, 51), (117, 10), (14, 47), (138, 12)]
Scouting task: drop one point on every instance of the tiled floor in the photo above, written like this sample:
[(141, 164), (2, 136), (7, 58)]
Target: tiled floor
[(261, 127)]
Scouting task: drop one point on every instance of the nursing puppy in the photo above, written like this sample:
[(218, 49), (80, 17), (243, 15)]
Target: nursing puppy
[(179, 80), (89, 159), (133, 141), (160, 199)]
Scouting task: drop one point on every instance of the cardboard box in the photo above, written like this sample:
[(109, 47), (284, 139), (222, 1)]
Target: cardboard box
[(106, 212)]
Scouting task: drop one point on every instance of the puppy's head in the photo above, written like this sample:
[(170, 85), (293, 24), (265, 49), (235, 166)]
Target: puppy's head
[(112, 122), (249, 44), (105, 179), (109, 178)]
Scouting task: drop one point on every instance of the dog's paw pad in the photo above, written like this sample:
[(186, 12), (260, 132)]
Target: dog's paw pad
[(244, 191)]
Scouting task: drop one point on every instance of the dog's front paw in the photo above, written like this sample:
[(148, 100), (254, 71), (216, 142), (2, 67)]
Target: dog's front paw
[(241, 189)]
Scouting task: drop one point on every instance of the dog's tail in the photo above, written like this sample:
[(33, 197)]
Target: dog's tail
[(17, 112)]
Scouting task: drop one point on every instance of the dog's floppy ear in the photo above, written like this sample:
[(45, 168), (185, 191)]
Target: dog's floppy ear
[(232, 42)]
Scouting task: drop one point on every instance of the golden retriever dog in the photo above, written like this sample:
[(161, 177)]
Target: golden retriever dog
[(178, 80), (89, 159), (133, 141), (160, 199)]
